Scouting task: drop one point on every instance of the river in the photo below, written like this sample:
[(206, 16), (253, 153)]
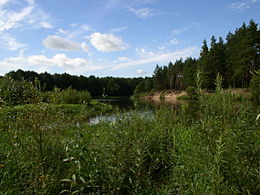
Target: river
[(142, 107)]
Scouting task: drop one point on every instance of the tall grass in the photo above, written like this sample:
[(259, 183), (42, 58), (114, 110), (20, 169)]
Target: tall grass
[(213, 151)]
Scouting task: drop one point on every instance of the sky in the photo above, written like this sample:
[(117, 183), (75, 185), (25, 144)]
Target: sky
[(119, 38)]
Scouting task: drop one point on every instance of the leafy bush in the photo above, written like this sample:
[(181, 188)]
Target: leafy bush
[(192, 92), (67, 96), (255, 86), (17, 92)]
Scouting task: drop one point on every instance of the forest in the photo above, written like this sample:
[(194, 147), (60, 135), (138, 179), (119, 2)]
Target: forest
[(236, 60)]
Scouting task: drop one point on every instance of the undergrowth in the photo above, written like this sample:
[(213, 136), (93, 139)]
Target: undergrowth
[(215, 150)]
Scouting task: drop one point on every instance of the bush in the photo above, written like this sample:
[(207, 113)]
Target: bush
[(72, 96), (18, 92), (192, 92), (255, 86), (67, 96)]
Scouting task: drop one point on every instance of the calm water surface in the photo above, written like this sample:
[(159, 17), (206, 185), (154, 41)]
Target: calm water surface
[(142, 107)]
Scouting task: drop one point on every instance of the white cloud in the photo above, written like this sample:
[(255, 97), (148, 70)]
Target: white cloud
[(30, 14), (81, 65), (143, 53), (119, 29), (123, 59), (107, 42), (142, 13), (161, 47), (141, 71), (180, 30), (174, 41), (3, 2), (242, 5), (10, 19), (86, 27), (159, 58), (184, 29), (43, 63), (46, 25), (9, 42), (57, 42)]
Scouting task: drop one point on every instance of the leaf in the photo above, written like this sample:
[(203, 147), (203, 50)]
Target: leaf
[(82, 179), (66, 180), (64, 191), (77, 191), (74, 177)]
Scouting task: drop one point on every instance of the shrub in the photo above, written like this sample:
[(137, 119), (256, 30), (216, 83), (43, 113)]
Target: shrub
[(255, 86), (67, 96), (192, 92), (72, 96), (18, 92)]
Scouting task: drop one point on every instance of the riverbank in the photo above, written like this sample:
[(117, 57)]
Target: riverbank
[(174, 95), (67, 112)]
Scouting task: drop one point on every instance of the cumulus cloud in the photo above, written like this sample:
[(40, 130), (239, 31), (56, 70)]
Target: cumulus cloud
[(107, 42), (142, 13), (57, 42)]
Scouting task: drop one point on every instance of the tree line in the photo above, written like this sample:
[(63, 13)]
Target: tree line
[(96, 86), (236, 60)]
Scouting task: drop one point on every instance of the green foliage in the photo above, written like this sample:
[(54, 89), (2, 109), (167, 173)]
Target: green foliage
[(72, 96), (192, 92), (67, 96), (18, 92), (214, 150), (218, 83), (94, 85), (255, 86), (234, 60)]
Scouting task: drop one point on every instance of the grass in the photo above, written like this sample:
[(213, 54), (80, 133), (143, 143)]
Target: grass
[(214, 150)]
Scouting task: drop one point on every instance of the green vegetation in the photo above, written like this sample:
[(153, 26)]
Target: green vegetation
[(212, 151)]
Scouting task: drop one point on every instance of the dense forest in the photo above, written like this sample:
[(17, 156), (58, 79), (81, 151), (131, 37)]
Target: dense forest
[(235, 59)]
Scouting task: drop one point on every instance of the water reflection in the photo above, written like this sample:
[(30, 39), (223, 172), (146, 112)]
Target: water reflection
[(142, 107)]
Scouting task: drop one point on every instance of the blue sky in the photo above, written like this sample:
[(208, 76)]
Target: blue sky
[(122, 38)]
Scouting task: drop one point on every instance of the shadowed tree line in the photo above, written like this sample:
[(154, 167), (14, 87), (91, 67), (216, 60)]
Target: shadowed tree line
[(95, 85)]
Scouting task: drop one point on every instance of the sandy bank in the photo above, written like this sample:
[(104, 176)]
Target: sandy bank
[(167, 95)]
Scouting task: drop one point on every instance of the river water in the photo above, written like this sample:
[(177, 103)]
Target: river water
[(127, 107)]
